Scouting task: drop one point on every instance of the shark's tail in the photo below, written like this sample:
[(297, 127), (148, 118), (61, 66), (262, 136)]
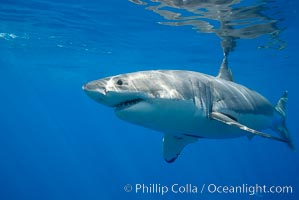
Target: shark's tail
[(281, 127)]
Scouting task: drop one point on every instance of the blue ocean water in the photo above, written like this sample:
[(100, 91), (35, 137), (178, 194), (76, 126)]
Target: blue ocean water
[(56, 143)]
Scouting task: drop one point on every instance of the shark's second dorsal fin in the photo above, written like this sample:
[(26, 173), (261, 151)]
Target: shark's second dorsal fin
[(224, 71)]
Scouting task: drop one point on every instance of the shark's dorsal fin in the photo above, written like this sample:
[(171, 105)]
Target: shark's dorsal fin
[(224, 71), (173, 145), (231, 122)]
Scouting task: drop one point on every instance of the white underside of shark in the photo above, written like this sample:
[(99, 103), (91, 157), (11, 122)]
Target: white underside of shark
[(187, 106)]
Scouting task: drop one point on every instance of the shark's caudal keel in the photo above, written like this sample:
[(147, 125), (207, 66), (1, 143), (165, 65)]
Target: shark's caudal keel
[(187, 106)]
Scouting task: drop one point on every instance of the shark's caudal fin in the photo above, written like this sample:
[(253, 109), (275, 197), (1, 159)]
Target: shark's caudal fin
[(281, 127)]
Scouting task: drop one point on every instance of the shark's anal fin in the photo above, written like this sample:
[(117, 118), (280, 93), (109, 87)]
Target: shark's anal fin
[(231, 122), (173, 145), (224, 71)]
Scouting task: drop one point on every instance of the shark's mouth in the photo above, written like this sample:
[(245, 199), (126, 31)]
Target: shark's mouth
[(127, 104)]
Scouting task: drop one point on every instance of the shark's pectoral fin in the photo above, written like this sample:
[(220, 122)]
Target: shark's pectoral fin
[(173, 145), (231, 122)]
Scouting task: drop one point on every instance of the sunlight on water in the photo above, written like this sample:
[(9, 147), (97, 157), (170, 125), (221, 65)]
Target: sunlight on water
[(229, 20)]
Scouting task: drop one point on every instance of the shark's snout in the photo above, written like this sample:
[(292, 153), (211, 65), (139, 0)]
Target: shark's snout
[(94, 90), (90, 86)]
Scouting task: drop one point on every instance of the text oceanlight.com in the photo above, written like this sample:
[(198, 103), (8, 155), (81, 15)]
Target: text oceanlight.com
[(175, 188)]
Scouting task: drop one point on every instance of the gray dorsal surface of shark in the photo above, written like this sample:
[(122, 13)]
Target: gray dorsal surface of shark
[(187, 106)]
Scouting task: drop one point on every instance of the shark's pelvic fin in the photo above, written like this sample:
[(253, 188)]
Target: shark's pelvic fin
[(281, 127), (224, 71), (231, 122), (173, 145)]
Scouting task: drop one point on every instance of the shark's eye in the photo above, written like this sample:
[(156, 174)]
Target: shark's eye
[(119, 82)]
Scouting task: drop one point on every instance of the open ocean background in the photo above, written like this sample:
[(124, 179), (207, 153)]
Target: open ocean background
[(56, 143)]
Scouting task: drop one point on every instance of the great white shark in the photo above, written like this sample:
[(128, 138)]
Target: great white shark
[(187, 106)]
